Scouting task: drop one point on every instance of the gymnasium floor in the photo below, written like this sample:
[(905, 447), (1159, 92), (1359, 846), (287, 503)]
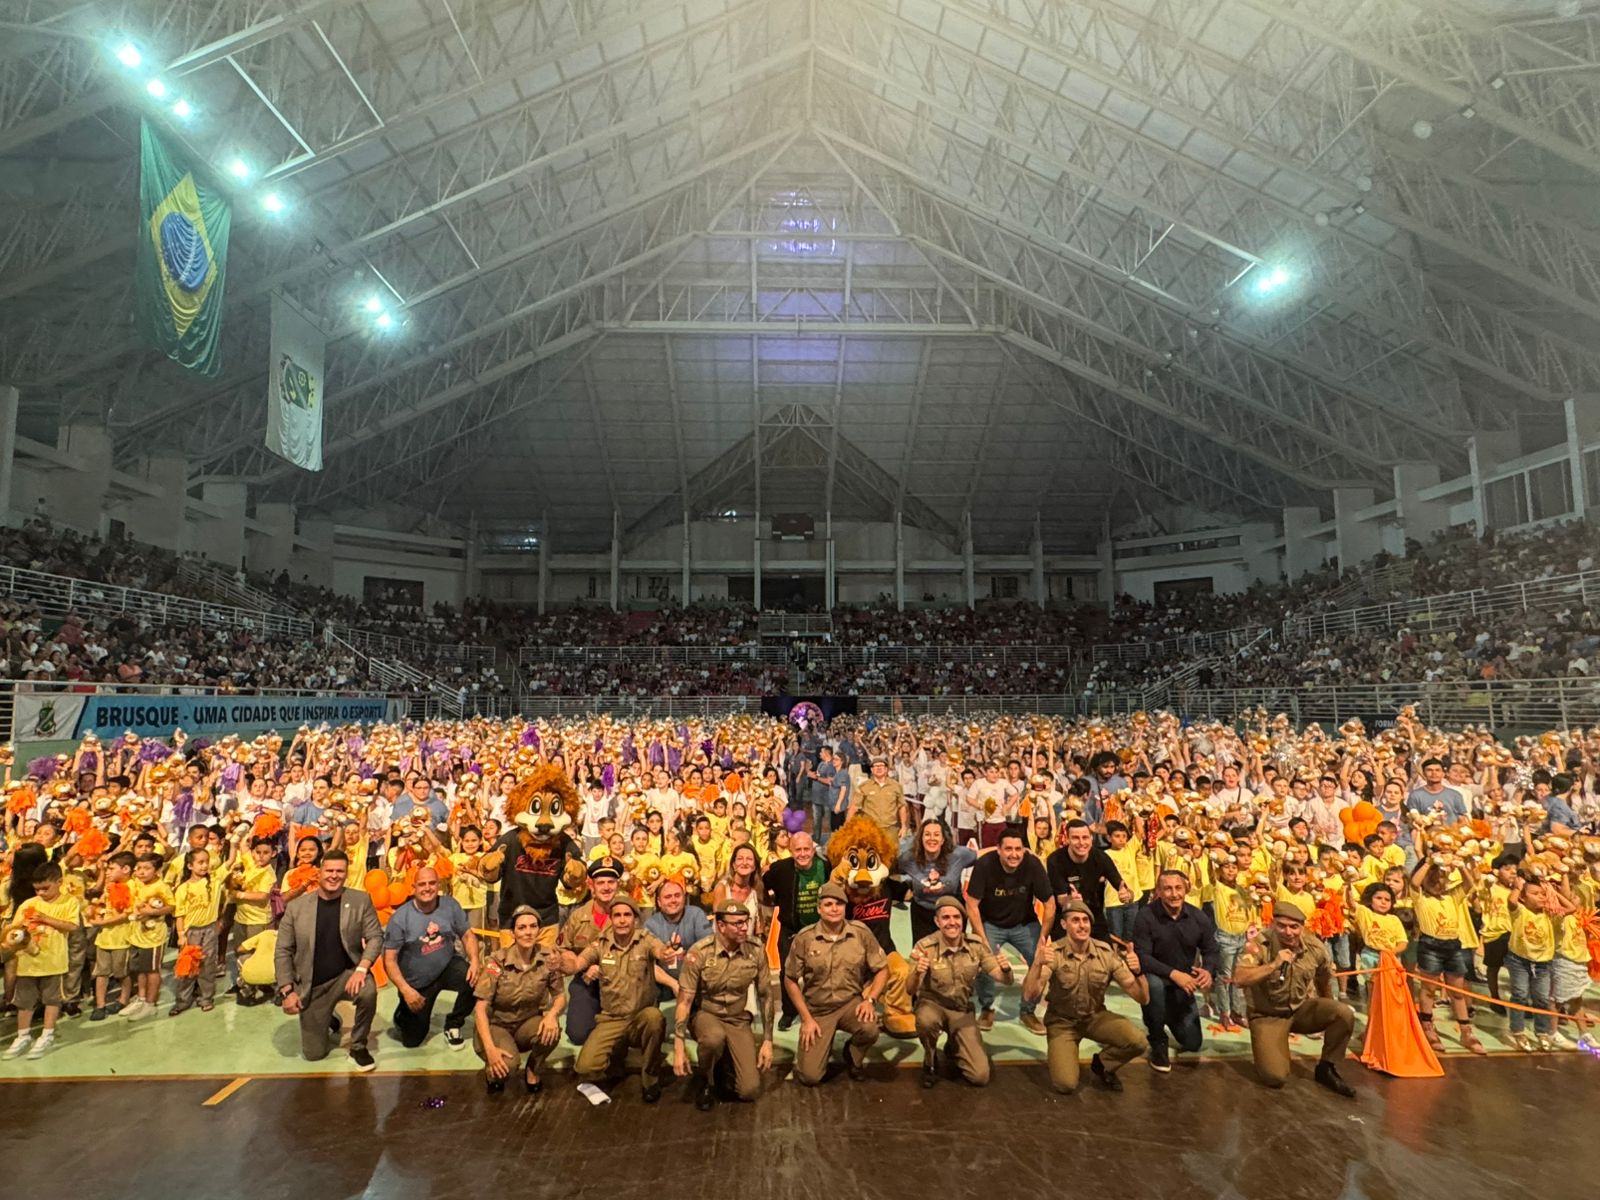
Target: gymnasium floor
[(222, 1102)]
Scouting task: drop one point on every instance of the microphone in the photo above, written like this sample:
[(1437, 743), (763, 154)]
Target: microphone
[(1283, 972)]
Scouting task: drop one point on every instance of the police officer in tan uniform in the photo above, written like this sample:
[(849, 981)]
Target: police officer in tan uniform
[(1287, 977), (713, 992), (1073, 975), (944, 973), (882, 801), (582, 926), (835, 972), (519, 1002), (626, 957)]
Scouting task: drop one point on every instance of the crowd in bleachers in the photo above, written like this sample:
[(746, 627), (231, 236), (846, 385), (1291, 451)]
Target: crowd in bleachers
[(1549, 639)]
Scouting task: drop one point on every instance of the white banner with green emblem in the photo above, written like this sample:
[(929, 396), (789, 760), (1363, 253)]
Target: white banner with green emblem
[(294, 387)]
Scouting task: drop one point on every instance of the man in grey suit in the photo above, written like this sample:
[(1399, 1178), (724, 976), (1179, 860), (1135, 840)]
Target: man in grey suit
[(327, 942)]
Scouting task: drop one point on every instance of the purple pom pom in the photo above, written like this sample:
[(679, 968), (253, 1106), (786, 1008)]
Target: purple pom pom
[(230, 775), (90, 761), (530, 737), (794, 819), (365, 770), (43, 769), (152, 751), (608, 776)]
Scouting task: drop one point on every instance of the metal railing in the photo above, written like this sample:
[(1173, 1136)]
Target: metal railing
[(819, 655), (57, 595), (778, 624), (467, 655), (1449, 608), (216, 581), (1187, 645)]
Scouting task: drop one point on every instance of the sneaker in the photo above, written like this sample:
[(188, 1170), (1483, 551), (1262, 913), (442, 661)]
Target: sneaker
[(1560, 1041), (138, 1010), (1159, 1060), (1032, 1023), (98, 1014), (986, 1020), (453, 1038), (113, 1008), (18, 1045), (1587, 1042), (363, 1060), (46, 1041)]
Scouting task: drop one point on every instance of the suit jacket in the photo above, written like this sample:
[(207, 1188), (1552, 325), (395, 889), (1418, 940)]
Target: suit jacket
[(359, 930)]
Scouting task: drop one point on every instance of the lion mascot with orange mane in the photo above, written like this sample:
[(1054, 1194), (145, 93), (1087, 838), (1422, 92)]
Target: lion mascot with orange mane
[(862, 855), (528, 858)]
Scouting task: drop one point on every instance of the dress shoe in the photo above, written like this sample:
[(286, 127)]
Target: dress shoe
[(1328, 1077), (1108, 1079)]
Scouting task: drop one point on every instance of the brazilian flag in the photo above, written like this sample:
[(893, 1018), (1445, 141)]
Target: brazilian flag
[(181, 258)]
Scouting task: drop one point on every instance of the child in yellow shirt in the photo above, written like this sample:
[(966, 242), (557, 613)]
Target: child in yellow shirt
[(1235, 912), (50, 915), (197, 907), (147, 937), (469, 889), (1125, 853), (111, 927)]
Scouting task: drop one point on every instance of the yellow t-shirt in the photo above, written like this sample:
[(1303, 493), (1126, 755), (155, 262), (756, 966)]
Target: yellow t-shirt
[(469, 890), (114, 937), (149, 933), (1438, 916), (1380, 931), (1533, 935), (197, 902), (255, 959), (672, 864), (1234, 909), (49, 953), (1369, 872), (1145, 870), (356, 877), (1305, 901), (1493, 902), (1198, 870), (1572, 943), (256, 879), (1127, 861)]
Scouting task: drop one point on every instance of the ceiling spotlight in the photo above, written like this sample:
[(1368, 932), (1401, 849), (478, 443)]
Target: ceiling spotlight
[(374, 305), (1272, 280), (385, 321), (156, 88), (1422, 130), (272, 202), (1363, 183), (1358, 209), (128, 55), (239, 169), (182, 110), (1497, 82), (1467, 111), (1322, 219)]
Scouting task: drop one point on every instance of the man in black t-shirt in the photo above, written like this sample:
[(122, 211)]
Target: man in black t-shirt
[(1080, 870), (1001, 893)]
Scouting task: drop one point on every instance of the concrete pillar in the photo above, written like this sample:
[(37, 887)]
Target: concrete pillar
[(544, 562), (1485, 451), (899, 564), (1583, 428), (1301, 552), (1261, 558), (472, 577), (755, 561), (221, 538), (160, 520), (1358, 540), (273, 551), (1419, 519), (1036, 550), (1108, 566), (687, 580), (78, 497), (9, 505), (616, 560), (969, 576), (830, 579)]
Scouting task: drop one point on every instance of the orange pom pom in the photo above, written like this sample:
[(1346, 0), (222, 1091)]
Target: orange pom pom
[(267, 825), (92, 845), (119, 896), (22, 801), (301, 877), (77, 820), (190, 960)]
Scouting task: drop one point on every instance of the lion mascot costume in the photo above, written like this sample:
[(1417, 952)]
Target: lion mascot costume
[(529, 857), (862, 855)]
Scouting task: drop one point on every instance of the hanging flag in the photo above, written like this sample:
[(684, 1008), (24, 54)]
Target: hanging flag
[(181, 257), (294, 387)]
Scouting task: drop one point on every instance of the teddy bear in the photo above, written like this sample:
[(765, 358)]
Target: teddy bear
[(861, 855)]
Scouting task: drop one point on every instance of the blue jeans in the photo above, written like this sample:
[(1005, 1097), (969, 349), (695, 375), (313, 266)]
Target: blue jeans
[(1227, 997), (1024, 939), (1530, 984), (1119, 920), (1172, 1008)]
